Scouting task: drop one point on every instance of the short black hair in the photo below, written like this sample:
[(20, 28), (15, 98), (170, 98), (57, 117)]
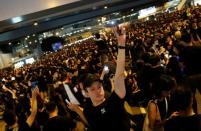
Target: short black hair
[(97, 35), (181, 97), (9, 117), (51, 106), (165, 83), (90, 79)]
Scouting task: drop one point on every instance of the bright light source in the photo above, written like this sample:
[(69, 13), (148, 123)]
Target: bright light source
[(57, 33), (16, 20), (35, 23), (116, 13), (19, 64), (99, 20), (9, 43), (30, 42), (34, 35), (105, 7), (112, 22), (103, 19), (30, 60), (62, 28), (146, 12), (28, 36), (36, 41)]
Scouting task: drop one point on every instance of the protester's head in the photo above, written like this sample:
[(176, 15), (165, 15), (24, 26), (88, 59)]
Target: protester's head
[(182, 98), (97, 35), (94, 88), (51, 107), (178, 34), (173, 66), (164, 86), (194, 26), (9, 117)]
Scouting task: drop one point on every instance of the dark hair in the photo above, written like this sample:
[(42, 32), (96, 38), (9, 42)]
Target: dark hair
[(165, 83), (9, 117), (50, 107), (97, 35), (90, 79), (181, 97)]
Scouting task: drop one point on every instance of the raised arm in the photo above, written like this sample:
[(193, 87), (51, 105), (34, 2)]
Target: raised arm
[(119, 83), (32, 116), (79, 111)]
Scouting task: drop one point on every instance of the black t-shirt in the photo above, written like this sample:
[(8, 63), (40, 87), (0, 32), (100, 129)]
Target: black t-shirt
[(22, 127), (109, 116), (58, 123), (191, 123), (42, 117), (162, 108), (102, 46)]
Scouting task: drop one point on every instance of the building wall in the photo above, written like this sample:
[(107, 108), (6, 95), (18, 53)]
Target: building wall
[(5, 59)]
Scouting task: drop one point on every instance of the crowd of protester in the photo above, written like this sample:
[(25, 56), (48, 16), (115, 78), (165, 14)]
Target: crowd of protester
[(89, 82)]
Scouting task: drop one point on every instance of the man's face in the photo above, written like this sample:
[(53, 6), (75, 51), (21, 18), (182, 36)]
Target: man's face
[(194, 26), (55, 76), (96, 92)]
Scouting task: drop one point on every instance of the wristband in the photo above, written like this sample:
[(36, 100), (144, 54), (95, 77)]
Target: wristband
[(121, 47)]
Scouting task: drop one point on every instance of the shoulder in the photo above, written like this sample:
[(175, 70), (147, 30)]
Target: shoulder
[(197, 118), (24, 127), (115, 97), (169, 125), (115, 100), (152, 105)]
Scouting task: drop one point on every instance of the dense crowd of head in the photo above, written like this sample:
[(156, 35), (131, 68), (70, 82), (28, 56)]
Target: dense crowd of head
[(160, 55)]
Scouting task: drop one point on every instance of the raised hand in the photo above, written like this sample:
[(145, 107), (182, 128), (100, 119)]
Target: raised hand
[(174, 114), (73, 107), (120, 33), (35, 92)]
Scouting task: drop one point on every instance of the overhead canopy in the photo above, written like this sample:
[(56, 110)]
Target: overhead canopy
[(13, 8), (61, 12)]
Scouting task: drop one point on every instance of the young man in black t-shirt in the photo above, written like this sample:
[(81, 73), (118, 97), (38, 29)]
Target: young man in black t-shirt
[(106, 114), (109, 114), (185, 119)]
